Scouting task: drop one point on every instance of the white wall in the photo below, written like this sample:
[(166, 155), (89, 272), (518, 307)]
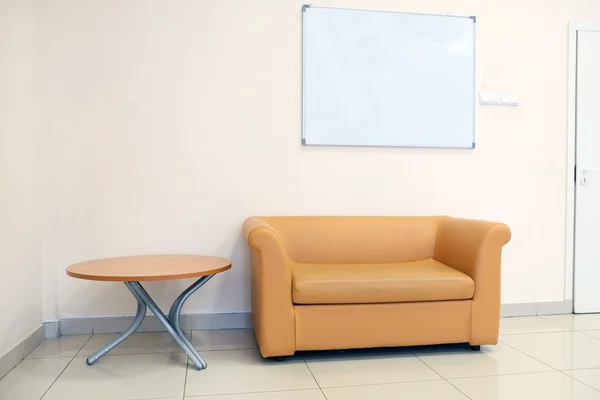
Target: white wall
[(20, 194), (177, 120)]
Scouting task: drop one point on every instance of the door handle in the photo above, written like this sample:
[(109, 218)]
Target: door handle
[(586, 169)]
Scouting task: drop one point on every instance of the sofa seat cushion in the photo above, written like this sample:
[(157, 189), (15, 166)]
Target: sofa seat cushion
[(426, 280)]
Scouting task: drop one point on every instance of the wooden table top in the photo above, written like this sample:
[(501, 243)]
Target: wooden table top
[(148, 268)]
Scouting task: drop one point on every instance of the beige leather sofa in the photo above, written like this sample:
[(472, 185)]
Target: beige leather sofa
[(355, 282)]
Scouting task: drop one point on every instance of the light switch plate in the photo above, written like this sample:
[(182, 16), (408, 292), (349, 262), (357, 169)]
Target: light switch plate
[(498, 99)]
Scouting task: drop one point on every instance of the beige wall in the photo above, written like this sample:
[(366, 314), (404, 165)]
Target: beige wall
[(177, 120), (20, 194)]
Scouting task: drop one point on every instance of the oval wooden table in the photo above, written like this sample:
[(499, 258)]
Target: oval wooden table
[(135, 269)]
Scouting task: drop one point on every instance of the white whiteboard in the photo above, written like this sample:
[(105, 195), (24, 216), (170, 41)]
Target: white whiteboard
[(378, 78)]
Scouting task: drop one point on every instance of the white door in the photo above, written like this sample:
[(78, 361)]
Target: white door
[(587, 186)]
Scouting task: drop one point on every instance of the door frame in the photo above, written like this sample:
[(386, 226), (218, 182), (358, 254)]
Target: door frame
[(574, 28)]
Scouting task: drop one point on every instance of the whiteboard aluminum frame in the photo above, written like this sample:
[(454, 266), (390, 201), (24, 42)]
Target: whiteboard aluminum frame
[(471, 17)]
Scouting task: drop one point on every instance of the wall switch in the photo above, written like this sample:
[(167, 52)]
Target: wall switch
[(498, 99)]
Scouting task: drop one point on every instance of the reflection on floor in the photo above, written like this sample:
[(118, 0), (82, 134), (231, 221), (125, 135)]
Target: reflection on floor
[(554, 357)]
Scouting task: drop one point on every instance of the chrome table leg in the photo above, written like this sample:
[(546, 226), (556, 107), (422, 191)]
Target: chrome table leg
[(180, 339), (171, 324), (137, 321), (175, 313)]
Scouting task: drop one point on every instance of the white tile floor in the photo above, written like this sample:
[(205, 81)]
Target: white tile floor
[(550, 358)]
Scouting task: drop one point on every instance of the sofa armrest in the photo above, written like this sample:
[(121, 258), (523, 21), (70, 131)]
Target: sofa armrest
[(475, 248), (471, 246), (272, 308)]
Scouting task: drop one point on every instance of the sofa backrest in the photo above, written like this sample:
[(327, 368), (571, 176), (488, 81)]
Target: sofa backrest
[(356, 240)]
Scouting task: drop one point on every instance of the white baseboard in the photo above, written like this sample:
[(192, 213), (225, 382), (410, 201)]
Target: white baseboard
[(238, 320), (14, 356), (79, 326), (52, 329), (242, 320), (530, 309)]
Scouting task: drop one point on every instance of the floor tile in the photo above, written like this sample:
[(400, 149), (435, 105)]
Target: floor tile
[(230, 339), (594, 334), (560, 350), (511, 326), (64, 346), (138, 343), (578, 322), (245, 371), (367, 368), (310, 394), (430, 390), (590, 377), (122, 377), (546, 386), (9, 360), (31, 378), (462, 362)]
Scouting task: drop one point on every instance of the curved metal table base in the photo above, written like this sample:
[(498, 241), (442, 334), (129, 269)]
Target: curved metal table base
[(171, 323)]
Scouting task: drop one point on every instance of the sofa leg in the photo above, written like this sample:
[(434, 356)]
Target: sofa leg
[(278, 358), (476, 348)]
